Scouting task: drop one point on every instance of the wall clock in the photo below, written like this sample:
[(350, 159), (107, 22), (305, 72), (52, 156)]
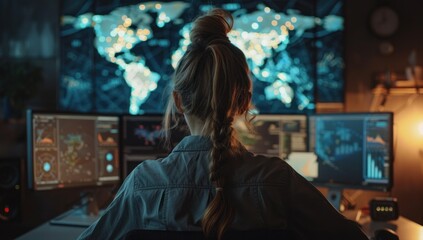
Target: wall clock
[(384, 21)]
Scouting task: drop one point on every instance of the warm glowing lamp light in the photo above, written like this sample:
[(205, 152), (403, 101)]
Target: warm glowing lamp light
[(420, 127)]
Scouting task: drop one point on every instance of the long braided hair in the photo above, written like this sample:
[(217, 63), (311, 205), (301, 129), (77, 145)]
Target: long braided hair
[(213, 81)]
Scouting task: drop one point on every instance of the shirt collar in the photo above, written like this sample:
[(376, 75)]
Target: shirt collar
[(194, 143)]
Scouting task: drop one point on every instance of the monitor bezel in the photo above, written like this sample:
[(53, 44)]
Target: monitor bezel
[(31, 183), (358, 185)]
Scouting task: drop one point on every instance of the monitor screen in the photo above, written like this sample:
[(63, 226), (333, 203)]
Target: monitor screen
[(351, 150), (143, 138), (275, 135), (72, 150), (119, 56)]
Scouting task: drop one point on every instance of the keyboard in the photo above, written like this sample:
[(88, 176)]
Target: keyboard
[(76, 217)]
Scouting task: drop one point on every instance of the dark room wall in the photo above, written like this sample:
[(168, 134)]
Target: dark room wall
[(29, 36), (363, 62)]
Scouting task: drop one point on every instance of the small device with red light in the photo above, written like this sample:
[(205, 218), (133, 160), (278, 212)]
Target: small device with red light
[(8, 210)]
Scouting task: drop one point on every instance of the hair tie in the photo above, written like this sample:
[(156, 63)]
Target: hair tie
[(198, 45)]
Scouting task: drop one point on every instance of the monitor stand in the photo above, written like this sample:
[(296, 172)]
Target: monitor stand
[(334, 196), (82, 215)]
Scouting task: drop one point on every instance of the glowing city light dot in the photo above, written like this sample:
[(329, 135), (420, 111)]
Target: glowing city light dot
[(162, 16), (282, 76), (152, 86), (293, 19), (254, 25), (142, 7), (256, 70), (84, 20), (277, 17), (265, 74), (158, 6), (118, 48), (128, 45), (274, 23), (130, 32), (267, 10), (127, 22), (121, 62), (259, 19), (291, 27), (147, 72)]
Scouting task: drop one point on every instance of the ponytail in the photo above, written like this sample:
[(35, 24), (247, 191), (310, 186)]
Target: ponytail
[(213, 81)]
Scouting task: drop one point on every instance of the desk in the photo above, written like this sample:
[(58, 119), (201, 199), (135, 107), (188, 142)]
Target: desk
[(405, 228), (68, 225), (48, 231)]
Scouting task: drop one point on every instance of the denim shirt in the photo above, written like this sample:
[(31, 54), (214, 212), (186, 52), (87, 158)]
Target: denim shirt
[(172, 194)]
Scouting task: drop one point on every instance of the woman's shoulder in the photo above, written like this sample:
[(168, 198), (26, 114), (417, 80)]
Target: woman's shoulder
[(265, 169), (264, 161), (149, 173)]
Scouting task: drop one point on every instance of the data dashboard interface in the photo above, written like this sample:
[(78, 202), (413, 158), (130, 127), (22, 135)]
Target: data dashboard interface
[(71, 150), (353, 149)]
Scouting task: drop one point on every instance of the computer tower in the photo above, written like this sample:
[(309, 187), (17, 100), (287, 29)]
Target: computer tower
[(10, 197), (10, 189)]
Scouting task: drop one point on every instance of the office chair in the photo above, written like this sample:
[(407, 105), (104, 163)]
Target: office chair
[(139, 234)]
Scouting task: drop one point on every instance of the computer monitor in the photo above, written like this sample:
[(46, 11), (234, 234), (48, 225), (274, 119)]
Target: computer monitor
[(143, 139), (352, 150), (129, 50), (68, 150), (274, 134)]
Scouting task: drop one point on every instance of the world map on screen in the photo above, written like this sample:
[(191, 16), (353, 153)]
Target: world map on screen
[(120, 58)]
